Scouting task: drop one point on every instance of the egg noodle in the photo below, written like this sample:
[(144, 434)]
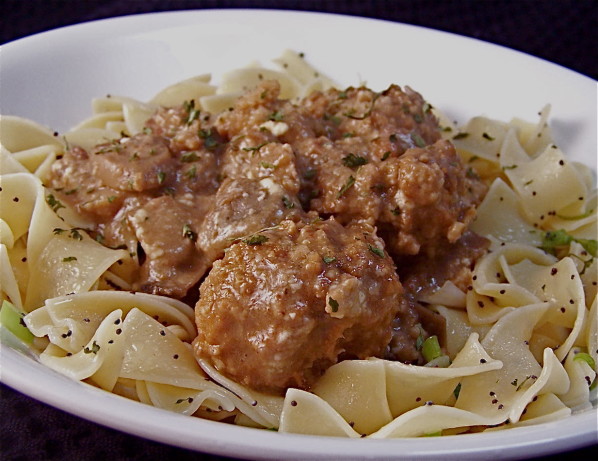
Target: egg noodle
[(521, 341)]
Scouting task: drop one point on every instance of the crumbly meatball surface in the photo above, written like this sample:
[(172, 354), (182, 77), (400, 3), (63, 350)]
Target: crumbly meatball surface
[(285, 304)]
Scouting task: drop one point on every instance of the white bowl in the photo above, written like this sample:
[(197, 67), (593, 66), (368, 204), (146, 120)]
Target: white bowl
[(52, 77)]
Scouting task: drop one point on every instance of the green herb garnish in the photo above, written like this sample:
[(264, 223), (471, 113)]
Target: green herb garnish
[(376, 251), (418, 140), (54, 203), (257, 239), (346, 186), (189, 157), (95, 347), (354, 161), (192, 112)]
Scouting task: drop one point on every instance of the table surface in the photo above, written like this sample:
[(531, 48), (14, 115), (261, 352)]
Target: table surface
[(564, 32)]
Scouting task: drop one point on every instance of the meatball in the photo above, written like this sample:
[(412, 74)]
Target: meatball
[(430, 200), (287, 303)]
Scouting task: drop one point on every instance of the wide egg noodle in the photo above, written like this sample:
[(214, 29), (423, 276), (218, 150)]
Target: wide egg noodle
[(410, 386), (80, 314), (136, 115), (295, 64), (36, 147), (562, 286), (581, 375), (9, 164), (306, 413), (483, 310), (100, 120), (499, 216), (459, 329), (481, 137), (9, 286), (153, 353), (497, 393), (99, 360), (537, 137), (21, 194), (552, 379), (297, 78), (542, 409), (429, 420), (20, 134), (357, 390), (592, 331), (191, 89), (243, 79), (546, 184), (56, 264), (354, 389), (491, 276), (38, 160), (169, 372), (68, 265), (559, 284), (447, 295), (262, 408), (187, 401)]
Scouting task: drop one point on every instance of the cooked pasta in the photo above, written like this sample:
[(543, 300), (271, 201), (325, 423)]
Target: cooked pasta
[(520, 342)]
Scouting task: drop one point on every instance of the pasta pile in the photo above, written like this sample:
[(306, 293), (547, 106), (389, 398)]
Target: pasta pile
[(522, 341)]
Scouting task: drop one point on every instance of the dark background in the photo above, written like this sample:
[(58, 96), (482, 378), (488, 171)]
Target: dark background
[(562, 31)]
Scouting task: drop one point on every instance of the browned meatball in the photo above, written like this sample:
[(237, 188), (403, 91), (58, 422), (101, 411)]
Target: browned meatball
[(430, 199), (285, 304)]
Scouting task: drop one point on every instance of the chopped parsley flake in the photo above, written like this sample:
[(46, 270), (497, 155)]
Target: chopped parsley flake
[(255, 148), (191, 173), (376, 251), (418, 140), (257, 239), (209, 140), (54, 203), (192, 112), (95, 347), (354, 161), (276, 116), (346, 186), (189, 157)]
